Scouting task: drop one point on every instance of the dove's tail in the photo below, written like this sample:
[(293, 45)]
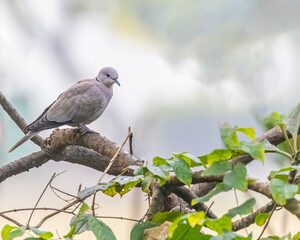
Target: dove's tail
[(28, 136)]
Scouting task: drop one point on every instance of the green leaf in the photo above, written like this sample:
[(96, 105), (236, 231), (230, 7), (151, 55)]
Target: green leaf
[(237, 177), (158, 172), (182, 170), (138, 231), (243, 209), (16, 233), (136, 169), (186, 232), (282, 191), (297, 236), (217, 168), (255, 149), (274, 173), (220, 187), (269, 146), (216, 156), (293, 122), (6, 230), (249, 132), (261, 218), (192, 160), (228, 135), (80, 224), (89, 191), (146, 183), (166, 216), (219, 225), (159, 161), (273, 119), (195, 219), (100, 229), (42, 234)]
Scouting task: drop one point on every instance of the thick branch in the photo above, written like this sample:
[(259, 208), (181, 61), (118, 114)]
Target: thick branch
[(23, 164)]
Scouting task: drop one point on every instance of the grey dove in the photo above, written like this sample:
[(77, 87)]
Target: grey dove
[(78, 106)]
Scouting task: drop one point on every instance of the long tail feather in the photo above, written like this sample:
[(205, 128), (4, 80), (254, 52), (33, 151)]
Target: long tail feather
[(28, 136)]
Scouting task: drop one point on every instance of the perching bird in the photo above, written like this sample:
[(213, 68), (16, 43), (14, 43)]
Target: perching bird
[(81, 104)]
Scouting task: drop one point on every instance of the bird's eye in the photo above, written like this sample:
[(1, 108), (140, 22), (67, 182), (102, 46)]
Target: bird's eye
[(107, 75)]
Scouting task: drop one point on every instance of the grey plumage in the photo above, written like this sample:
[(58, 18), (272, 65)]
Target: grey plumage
[(81, 104)]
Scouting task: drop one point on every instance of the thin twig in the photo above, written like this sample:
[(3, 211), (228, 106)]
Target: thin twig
[(237, 203), (53, 176), (130, 141), (266, 225), (107, 168), (11, 220), (209, 207)]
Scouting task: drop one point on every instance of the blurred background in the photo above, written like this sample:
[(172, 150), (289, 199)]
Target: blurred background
[(185, 66)]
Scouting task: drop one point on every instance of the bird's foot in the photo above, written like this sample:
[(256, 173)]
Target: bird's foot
[(82, 129)]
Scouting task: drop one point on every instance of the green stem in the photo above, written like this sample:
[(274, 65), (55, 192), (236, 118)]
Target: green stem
[(293, 148), (286, 154)]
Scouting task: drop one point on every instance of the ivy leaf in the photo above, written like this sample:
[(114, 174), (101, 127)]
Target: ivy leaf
[(138, 231), (182, 170), (100, 229), (6, 230), (293, 122), (228, 135), (237, 177), (261, 218), (243, 209), (166, 216), (220, 187), (273, 119), (282, 191), (217, 168), (196, 219), (18, 232), (216, 156), (219, 225), (249, 132)]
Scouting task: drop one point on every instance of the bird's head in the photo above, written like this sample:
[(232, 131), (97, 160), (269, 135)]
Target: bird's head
[(108, 76)]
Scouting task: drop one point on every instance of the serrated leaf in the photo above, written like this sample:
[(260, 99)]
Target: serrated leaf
[(273, 119), (293, 122), (219, 225), (100, 229), (237, 177), (195, 219), (216, 156), (217, 168), (282, 191), (138, 231), (245, 208), (249, 132), (261, 218), (159, 161), (182, 170), (220, 187), (166, 216), (6, 230), (16, 233), (228, 135)]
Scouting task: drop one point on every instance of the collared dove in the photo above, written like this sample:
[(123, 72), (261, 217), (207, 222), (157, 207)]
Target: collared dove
[(81, 104)]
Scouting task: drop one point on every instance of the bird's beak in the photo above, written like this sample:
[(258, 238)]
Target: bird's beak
[(117, 82)]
